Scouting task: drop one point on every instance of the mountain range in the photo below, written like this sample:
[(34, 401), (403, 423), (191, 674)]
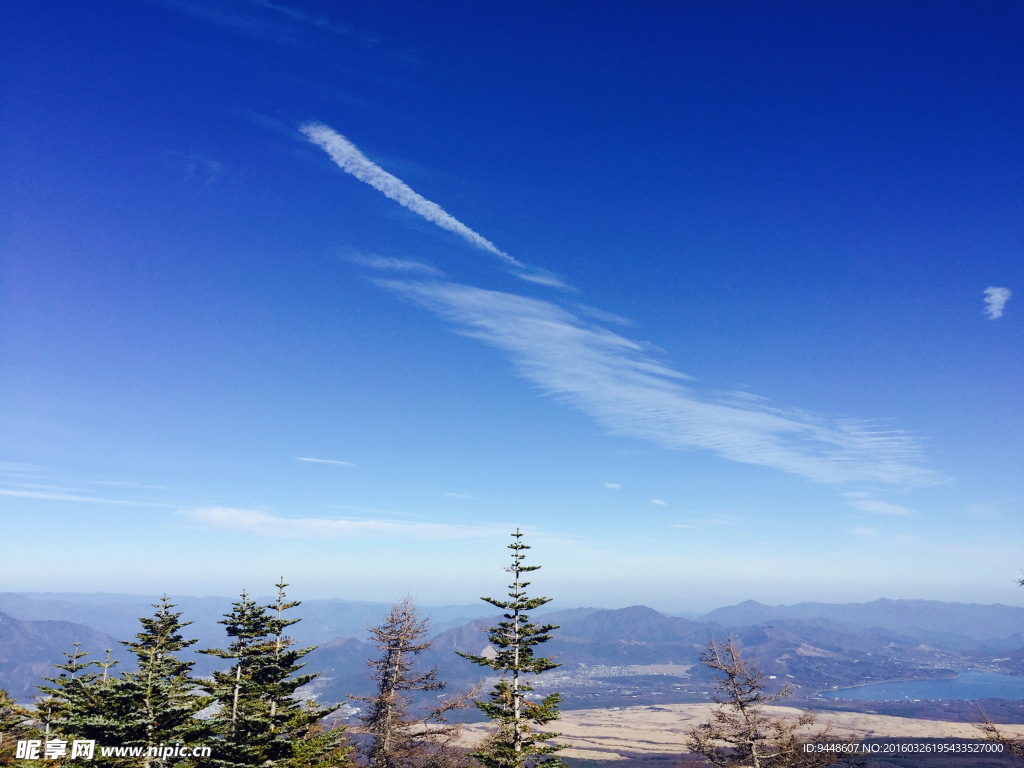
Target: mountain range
[(608, 657)]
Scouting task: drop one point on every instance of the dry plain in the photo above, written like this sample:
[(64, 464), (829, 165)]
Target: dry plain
[(621, 734)]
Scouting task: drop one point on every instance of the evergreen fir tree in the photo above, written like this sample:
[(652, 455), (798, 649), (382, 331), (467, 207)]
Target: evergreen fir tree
[(295, 723), (242, 720), (78, 703), (154, 705), (316, 744), (259, 721), (516, 744), (157, 703), (15, 725)]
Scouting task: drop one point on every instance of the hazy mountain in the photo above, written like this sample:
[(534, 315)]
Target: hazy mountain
[(947, 623), (608, 657), (118, 615), (29, 649)]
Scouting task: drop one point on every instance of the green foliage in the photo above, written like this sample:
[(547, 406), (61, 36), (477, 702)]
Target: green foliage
[(242, 722), (15, 725), (315, 745), (154, 705), (519, 740), (79, 704), (258, 721), (157, 704)]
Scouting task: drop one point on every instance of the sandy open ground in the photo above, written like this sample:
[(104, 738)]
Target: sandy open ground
[(613, 734)]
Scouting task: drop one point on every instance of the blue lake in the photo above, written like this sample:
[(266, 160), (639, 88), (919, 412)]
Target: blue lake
[(968, 685)]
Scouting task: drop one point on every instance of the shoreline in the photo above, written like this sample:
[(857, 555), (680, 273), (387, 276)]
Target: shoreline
[(956, 674), (830, 694)]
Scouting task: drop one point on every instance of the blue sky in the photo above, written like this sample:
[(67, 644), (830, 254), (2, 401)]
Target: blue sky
[(714, 301)]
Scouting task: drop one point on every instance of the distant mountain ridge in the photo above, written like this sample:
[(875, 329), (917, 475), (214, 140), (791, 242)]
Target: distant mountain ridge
[(608, 657), (955, 620), (118, 614), (29, 649)]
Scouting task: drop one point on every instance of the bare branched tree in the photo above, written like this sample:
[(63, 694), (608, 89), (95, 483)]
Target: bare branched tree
[(1014, 745), (741, 732), (397, 738)]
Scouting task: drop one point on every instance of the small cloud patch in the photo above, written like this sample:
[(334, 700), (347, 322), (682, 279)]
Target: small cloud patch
[(995, 300), (865, 503)]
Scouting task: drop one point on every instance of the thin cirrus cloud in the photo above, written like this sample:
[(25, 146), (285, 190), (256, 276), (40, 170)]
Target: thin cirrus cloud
[(60, 496), (865, 503), (995, 300), (617, 382), (347, 156), (282, 26), (392, 264), (334, 462), (260, 523)]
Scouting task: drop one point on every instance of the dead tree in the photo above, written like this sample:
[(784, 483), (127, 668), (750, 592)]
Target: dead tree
[(741, 732), (395, 737)]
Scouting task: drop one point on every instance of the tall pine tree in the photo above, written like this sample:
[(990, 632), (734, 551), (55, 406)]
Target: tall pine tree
[(156, 704), (77, 704), (152, 706), (301, 739), (16, 725), (516, 744), (259, 721)]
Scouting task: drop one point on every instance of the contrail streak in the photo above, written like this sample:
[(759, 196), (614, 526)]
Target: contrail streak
[(348, 157)]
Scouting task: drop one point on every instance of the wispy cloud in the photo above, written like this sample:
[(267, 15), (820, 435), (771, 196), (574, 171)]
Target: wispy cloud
[(613, 486), (19, 471), (195, 166), (659, 502), (996, 508), (248, 24), (335, 462), (601, 316), (260, 523), (866, 503), (396, 265), (347, 156), (295, 14), (20, 493), (284, 25), (618, 382), (455, 495), (127, 484), (995, 300)]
